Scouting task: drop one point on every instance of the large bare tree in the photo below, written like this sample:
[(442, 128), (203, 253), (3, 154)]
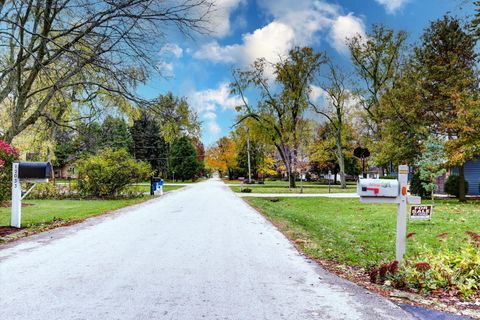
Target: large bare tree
[(334, 107), (59, 53), (282, 101)]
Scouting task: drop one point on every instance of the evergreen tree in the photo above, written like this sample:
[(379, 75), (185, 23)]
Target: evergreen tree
[(115, 134), (183, 159), (148, 144)]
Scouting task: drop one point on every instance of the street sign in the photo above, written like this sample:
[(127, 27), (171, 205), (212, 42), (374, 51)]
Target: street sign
[(421, 212)]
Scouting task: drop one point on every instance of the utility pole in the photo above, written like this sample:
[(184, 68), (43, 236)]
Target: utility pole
[(248, 157)]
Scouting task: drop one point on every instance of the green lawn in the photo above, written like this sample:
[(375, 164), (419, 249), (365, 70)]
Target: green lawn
[(41, 211), (347, 231), (306, 189)]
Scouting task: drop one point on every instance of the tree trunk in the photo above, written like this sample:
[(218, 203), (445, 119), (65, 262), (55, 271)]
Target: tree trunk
[(340, 158), (291, 179), (461, 184)]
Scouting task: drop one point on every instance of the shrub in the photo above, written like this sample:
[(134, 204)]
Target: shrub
[(452, 185), (246, 190), (8, 155), (54, 191), (416, 186), (445, 272), (109, 172)]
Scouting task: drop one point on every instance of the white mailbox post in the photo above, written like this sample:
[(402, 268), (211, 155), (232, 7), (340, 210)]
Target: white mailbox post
[(34, 172), (391, 191)]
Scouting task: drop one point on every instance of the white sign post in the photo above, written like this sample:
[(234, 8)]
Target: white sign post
[(34, 172), (16, 198), (391, 191)]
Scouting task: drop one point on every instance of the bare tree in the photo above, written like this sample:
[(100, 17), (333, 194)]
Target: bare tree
[(336, 101), (282, 103), (55, 53)]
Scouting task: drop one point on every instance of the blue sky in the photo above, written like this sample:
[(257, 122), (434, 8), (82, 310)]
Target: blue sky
[(243, 30)]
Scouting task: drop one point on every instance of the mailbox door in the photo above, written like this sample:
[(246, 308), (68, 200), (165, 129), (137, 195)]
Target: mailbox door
[(34, 170), (378, 188)]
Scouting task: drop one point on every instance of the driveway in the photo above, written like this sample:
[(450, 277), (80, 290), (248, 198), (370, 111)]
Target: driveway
[(197, 253)]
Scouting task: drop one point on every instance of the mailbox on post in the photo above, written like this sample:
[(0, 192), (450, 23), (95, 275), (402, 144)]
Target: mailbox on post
[(378, 188), (156, 186), (33, 172), (391, 191)]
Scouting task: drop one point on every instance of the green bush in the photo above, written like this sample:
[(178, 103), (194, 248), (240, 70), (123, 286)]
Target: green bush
[(445, 272), (416, 186), (452, 185), (8, 155), (54, 191), (109, 172)]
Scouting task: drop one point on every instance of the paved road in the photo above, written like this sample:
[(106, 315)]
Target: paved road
[(198, 253)]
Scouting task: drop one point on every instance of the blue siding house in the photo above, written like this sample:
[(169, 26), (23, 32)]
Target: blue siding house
[(472, 175)]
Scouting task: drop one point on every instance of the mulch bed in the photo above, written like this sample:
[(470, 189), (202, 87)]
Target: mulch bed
[(5, 231)]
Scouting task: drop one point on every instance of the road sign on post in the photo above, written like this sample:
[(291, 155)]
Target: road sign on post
[(391, 191)]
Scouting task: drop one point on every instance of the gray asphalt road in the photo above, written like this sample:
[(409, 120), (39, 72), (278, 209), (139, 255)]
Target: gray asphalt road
[(199, 253)]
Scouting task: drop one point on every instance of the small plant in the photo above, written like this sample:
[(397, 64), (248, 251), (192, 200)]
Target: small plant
[(246, 190), (431, 165), (387, 272), (452, 185), (445, 272)]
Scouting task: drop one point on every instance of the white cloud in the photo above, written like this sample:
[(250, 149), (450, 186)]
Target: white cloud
[(270, 42), (316, 93), (209, 115), (166, 69), (344, 28), (171, 49), (214, 128), (169, 52), (211, 99), (209, 102), (392, 6), (220, 18), (294, 23)]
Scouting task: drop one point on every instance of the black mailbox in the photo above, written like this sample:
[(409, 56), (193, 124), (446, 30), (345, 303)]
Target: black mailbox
[(34, 170)]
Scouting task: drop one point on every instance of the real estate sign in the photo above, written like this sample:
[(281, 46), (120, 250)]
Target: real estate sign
[(421, 212)]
